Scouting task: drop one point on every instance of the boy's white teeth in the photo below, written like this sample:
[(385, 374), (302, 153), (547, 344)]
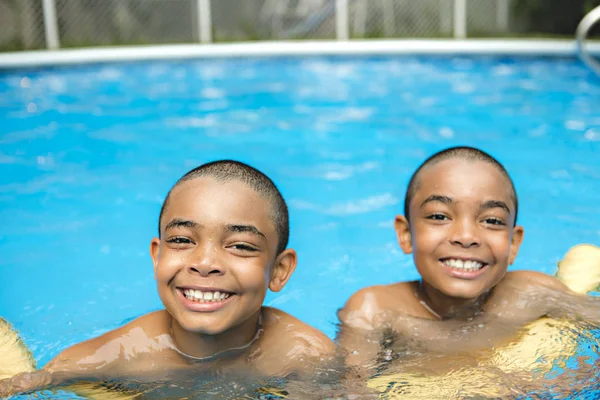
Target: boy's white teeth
[(468, 265), (204, 297)]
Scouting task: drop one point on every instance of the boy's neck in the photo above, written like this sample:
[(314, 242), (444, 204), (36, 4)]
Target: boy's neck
[(202, 347), (443, 306)]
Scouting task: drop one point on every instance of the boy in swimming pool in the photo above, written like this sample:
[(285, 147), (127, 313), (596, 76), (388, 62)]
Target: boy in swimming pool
[(460, 225), (223, 233)]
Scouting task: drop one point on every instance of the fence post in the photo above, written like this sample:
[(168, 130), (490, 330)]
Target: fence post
[(460, 19), (502, 15), (50, 24), (341, 20), (204, 18)]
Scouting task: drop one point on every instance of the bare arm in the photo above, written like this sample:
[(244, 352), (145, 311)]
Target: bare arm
[(567, 304), (117, 353), (84, 361), (59, 371), (549, 296), (308, 355), (359, 336)]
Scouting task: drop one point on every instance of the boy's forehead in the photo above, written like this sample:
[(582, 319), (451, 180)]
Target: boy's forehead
[(232, 194), (464, 175), (231, 197)]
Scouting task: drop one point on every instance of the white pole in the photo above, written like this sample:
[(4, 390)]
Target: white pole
[(460, 19), (341, 20), (204, 21), (50, 24), (502, 15)]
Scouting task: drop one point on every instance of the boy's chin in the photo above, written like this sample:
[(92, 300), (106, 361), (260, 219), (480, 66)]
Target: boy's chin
[(464, 291), (211, 328)]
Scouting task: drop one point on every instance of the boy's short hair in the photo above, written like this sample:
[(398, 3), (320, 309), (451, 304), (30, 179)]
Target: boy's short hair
[(461, 153), (229, 170)]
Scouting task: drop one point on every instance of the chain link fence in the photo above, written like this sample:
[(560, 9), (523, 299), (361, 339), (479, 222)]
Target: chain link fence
[(119, 22), (401, 18), (235, 20), (81, 23), (21, 25)]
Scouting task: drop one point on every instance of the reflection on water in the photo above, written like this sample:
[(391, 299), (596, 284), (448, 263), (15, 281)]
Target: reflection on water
[(557, 358), (221, 389), (494, 359)]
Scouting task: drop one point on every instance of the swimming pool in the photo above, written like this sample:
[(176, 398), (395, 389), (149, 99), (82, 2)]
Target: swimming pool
[(87, 154)]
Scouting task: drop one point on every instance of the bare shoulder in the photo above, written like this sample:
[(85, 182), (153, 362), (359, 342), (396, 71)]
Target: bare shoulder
[(372, 297), (290, 335), (531, 281), (140, 336), (365, 307)]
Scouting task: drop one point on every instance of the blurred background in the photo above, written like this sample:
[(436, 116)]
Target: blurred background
[(38, 24)]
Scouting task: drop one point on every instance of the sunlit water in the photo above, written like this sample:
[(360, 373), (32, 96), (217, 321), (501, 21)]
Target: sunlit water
[(87, 154)]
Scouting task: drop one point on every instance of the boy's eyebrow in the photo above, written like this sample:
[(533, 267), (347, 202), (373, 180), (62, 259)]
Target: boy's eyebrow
[(495, 204), (437, 197), (245, 228), (181, 223)]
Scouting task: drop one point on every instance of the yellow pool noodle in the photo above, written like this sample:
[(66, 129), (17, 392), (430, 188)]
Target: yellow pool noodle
[(15, 357)]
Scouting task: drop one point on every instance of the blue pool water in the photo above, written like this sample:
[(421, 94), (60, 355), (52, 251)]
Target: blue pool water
[(87, 154)]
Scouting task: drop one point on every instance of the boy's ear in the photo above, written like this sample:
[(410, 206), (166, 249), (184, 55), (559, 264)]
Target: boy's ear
[(515, 244), (403, 234), (154, 250), (283, 268)]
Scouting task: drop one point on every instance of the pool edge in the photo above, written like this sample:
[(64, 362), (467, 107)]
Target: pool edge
[(497, 47)]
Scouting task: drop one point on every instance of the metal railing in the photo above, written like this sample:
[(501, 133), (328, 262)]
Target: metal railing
[(584, 27)]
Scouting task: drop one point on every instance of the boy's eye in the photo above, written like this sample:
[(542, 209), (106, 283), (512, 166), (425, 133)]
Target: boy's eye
[(179, 240), (244, 247), (437, 217), (494, 221)]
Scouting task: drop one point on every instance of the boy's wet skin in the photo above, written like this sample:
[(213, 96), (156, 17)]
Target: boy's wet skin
[(460, 229), (218, 252), (217, 238), (461, 233)]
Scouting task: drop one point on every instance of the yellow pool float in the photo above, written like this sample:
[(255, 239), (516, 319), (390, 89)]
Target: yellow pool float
[(15, 356), (542, 343)]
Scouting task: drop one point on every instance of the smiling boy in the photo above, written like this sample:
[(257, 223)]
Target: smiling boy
[(460, 225), (223, 234)]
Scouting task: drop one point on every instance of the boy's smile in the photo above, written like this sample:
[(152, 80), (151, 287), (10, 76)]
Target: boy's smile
[(204, 299), (215, 255), (464, 267), (461, 230)]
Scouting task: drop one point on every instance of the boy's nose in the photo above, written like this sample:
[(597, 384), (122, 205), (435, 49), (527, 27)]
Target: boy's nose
[(205, 262), (464, 234)]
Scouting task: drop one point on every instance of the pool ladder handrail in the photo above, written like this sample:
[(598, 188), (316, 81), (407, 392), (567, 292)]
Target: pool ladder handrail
[(590, 19)]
